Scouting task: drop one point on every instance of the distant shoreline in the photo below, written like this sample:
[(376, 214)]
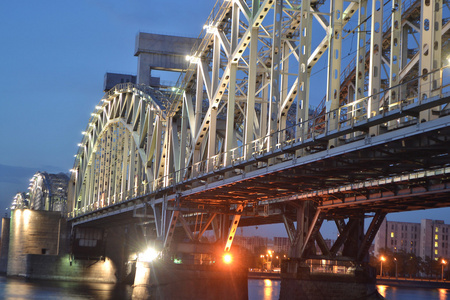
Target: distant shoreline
[(264, 275), (400, 282), (413, 283)]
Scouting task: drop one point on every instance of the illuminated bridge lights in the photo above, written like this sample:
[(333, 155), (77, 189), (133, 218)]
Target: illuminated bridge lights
[(227, 258)]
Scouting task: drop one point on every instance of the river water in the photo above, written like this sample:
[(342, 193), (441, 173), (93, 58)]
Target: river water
[(258, 289)]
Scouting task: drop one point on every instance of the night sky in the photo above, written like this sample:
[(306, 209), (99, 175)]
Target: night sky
[(53, 58)]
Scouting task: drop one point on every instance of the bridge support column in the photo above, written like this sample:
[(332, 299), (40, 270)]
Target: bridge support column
[(166, 280), (141, 287), (298, 236), (309, 279), (339, 272)]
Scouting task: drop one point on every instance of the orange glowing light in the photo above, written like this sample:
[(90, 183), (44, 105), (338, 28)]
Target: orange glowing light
[(227, 258)]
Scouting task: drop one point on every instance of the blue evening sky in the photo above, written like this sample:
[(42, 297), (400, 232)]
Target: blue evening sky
[(53, 58)]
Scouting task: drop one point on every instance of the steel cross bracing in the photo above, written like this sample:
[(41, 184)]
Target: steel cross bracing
[(236, 137)]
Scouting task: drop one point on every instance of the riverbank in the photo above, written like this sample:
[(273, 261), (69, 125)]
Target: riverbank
[(264, 275), (413, 283), (390, 281)]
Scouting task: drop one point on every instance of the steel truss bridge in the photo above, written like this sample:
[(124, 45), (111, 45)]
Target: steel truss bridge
[(237, 142)]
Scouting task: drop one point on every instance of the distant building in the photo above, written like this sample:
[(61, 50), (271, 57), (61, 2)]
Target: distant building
[(435, 239), (428, 238), (251, 243), (281, 244), (255, 243)]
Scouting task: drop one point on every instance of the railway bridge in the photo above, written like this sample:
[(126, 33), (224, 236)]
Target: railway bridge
[(257, 131)]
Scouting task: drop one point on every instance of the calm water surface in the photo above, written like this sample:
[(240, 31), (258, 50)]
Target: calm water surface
[(17, 289), (258, 289)]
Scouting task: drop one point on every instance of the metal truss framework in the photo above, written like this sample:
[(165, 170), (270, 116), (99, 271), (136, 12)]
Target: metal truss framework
[(245, 99), (45, 192)]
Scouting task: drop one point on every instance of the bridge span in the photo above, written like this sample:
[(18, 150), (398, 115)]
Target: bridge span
[(237, 142)]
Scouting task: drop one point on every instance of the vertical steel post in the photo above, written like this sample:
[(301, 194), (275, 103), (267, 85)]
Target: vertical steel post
[(394, 64), (231, 104), (430, 52), (250, 107), (358, 107), (376, 48), (334, 65), (274, 93), (304, 71)]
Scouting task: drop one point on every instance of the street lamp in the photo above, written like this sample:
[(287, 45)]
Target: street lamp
[(382, 259), (395, 260), (269, 259), (444, 262)]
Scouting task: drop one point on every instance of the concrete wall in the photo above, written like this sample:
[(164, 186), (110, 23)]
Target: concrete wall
[(297, 279), (32, 232), (4, 245), (161, 52), (39, 249), (117, 250), (160, 280), (326, 288), (54, 267)]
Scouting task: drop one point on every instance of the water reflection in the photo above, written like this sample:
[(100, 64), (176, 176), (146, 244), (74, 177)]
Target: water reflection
[(268, 290), (258, 289), (12, 288), (443, 293), (265, 289), (382, 290), (408, 293)]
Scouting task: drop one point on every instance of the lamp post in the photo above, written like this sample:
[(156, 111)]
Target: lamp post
[(395, 260), (444, 262), (381, 268), (269, 260)]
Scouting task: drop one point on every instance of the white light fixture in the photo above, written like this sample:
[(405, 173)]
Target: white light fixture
[(149, 255), (193, 59)]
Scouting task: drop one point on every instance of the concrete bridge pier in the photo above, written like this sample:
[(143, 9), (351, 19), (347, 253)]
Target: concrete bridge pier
[(327, 280), (166, 280)]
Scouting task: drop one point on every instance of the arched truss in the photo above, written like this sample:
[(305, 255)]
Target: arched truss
[(247, 92), (123, 149), (46, 192), (20, 201)]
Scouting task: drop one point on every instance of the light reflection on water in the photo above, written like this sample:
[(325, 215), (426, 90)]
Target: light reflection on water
[(258, 289), (443, 294), (402, 293), (382, 290), (263, 289), (18, 288)]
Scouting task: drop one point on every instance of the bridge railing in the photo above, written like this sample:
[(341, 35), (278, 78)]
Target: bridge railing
[(277, 144)]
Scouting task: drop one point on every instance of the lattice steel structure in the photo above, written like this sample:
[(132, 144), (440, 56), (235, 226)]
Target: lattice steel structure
[(45, 192), (242, 109), (20, 201)]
